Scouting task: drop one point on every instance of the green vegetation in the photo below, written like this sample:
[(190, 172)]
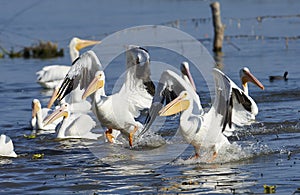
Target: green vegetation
[(44, 49)]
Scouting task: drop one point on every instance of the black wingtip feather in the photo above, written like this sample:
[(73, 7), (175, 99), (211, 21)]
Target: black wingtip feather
[(228, 115), (75, 60), (65, 88), (150, 87), (168, 95), (242, 99)]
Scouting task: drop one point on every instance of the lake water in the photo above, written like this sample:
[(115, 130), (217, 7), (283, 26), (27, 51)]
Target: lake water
[(267, 152)]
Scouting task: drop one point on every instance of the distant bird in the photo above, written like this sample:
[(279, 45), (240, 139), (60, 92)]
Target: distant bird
[(6, 147), (284, 77), (50, 76)]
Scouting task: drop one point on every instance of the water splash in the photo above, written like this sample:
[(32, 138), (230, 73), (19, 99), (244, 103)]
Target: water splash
[(151, 140), (231, 153)]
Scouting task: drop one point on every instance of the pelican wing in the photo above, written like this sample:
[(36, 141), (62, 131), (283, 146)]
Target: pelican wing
[(51, 75), (138, 86), (81, 73), (81, 126), (169, 87), (231, 104)]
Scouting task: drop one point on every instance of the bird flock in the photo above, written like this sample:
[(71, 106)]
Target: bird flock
[(80, 104)]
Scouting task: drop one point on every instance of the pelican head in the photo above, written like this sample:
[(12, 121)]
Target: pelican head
[(247, 76), (137, 55), (179, 104), (138, 60), (77, 44), (36, 106), (97, 83), (62, 111), (185, 71)]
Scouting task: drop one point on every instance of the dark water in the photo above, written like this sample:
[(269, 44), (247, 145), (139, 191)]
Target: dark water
[(267, 152)]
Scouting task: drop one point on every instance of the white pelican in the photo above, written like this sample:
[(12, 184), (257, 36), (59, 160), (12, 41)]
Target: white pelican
[(77, 105), (6, 146), (73, 111), (201, 129), (246, 76), (117, 111), (73, 125), (38, 115), (50, 76)]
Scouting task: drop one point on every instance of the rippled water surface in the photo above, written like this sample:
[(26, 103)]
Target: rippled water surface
[(263, 35)]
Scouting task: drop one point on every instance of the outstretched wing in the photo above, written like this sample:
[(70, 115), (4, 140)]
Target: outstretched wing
[(231, 105), (138, 86), (169, 87), (81, 73)]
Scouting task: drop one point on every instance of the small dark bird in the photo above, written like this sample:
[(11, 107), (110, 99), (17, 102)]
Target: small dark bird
[(284, 77)]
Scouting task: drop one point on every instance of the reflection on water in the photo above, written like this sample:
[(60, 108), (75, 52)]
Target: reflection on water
[(4, 161), (205, 178)]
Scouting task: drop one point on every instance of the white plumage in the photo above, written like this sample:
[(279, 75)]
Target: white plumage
[(38, 115), (117, 111), (199, 128), (73, 124), (6, 146)]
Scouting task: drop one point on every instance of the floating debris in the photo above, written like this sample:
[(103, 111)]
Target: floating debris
[(37, 156), (32, 136), (269, 189), (44, 49)]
